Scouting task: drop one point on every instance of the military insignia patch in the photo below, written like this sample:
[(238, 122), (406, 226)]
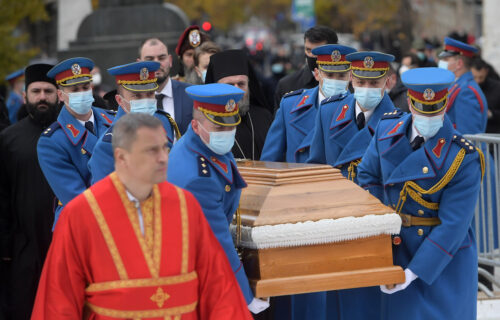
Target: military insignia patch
[(194, 38), (429, 94), (439, 147), (144, 74), (230, 105), (368, 62), (73, 130), (76, 69), (336, 56)]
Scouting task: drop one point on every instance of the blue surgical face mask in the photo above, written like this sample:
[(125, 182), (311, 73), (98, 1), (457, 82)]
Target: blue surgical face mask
[(277, 68), (428, 126), (147, 106), (368, 98), (443, 64), (331, 87), (221, 142), (80, 102), (203, 75)]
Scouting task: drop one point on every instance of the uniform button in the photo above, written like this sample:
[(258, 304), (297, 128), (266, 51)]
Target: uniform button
[(203, 165), (425, 169), (202, 159), (396, 240), (204, 171), (83, 151), (462, 140), (471, 148), (391, 184), (420, 212), (228, 188), (420, 232)]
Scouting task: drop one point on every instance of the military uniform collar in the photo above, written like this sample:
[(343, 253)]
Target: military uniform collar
[(73, 129), (397, 128), (225, 165), (437, 147), (306, 99)]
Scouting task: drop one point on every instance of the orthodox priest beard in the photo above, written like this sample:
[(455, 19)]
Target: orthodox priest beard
[(44, 116), (244, 105)]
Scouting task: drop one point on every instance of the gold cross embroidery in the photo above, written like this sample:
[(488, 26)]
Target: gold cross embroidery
[(160, 297)]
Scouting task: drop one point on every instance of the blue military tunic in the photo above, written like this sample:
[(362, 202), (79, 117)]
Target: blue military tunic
[(64, 150), (288, 140), (216, 183), (337, 140), (445, 174), (102, 162), (467, 107), (290, 134)]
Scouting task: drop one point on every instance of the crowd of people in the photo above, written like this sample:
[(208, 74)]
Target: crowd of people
[(119, 207)]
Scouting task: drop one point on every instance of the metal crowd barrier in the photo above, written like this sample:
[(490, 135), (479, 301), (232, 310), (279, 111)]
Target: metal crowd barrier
[(486, 216)]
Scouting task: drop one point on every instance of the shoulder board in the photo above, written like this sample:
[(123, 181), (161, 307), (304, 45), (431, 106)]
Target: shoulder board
[(336, 97), (203, 170), (392, 115), (111, 112), (464, 143), (50, 129), (293, 93)]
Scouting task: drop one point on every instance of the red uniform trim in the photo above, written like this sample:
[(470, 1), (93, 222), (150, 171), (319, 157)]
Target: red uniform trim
[(478, 96), (376, 64), (439, 147), (68, 73), (464, 52)]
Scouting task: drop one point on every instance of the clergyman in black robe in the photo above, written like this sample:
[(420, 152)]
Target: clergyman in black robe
[(26, 199), (232, 67)]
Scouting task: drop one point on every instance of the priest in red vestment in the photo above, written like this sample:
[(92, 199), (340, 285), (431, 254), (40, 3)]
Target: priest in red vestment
[(136, 247)]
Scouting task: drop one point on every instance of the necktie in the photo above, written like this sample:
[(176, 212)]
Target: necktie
[(159, 101), (89, 126), (360, 120), (417, 142)]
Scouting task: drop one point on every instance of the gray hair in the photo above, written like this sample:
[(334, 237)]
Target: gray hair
[(125, 129)]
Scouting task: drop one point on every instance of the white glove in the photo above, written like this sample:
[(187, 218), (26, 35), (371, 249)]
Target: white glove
[(258, 305), (409, 277)]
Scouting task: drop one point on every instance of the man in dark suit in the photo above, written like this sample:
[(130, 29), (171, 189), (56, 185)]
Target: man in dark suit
[(491, 89), (304, 78), (171, 95)]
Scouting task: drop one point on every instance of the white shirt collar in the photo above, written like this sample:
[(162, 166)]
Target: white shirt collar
[(167, 90), (91, 119), (321, 97), (368, 113)]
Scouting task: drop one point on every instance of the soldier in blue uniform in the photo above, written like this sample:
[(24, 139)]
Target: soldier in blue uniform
[(344, 127), (291, 132), (202, 163), (467, 105), (342, 133), (422, 167), (136, 85), (15, 99), (66, 146)]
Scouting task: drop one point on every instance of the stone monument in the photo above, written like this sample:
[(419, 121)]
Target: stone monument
[(112, 34)]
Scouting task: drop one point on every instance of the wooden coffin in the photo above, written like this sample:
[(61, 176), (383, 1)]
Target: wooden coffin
[(305, 228)]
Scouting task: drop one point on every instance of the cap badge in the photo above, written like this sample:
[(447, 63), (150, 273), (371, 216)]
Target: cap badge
[(194, 38), (230, 105), (368, 62), (429, 94), (144, 74), (75, 68), (336, 56)]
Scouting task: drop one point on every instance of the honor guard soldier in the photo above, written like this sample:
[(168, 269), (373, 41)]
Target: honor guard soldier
[(291, 132), (344, 127), (66, 146), (202, 163), (342, 133), (136, 85), (189, 40), (422, 167), (15, 99), (467, 105)]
